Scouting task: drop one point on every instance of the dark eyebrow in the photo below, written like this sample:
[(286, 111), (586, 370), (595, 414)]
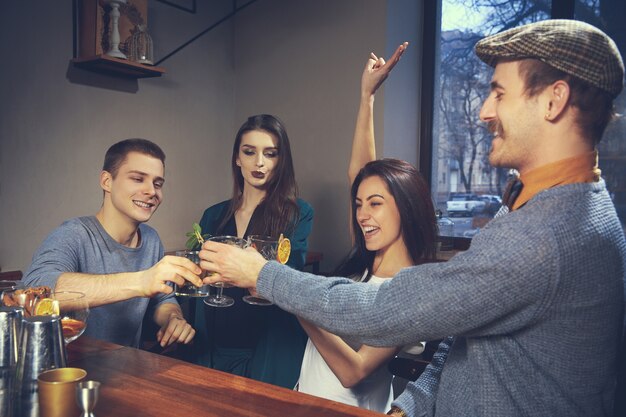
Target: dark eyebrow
[(369, 197), (144, 174), (269, 148), (134, 171), (494, 85)]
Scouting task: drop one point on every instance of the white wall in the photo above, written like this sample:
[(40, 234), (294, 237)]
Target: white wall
[(298, 59)]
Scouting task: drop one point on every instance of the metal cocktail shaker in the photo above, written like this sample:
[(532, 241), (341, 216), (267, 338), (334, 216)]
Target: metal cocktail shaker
[(41, 348), (10, 325)]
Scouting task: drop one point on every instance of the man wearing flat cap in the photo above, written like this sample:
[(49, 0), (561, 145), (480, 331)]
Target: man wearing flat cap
[(536, 303)]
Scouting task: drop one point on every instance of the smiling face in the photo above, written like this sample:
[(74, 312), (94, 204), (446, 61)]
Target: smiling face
[(257, 158), (135, 192), (378, 216), (513, 118)]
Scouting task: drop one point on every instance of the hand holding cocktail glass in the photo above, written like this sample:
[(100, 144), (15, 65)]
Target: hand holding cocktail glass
[(219, 299), (271, 249), (189, 289), (230, 264), (171, 269)]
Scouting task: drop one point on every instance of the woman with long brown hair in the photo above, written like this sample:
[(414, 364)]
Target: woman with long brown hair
[(261, 342), (394, 227)]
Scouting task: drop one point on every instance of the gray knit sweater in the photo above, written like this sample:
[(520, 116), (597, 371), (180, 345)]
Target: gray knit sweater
[(536, 305)]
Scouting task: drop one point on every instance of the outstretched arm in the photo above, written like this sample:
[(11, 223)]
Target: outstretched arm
[(110, 288), (363, 144), (348, 365)]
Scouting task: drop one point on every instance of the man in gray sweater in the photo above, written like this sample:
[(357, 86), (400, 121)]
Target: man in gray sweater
[(114, 258), (536, 304)]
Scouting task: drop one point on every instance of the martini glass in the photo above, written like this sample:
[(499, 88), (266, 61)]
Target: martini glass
[(267, 246), (219, 299)]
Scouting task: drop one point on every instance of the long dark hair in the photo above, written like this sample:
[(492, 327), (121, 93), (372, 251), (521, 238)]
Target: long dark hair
[(417, 215), (278, 212)]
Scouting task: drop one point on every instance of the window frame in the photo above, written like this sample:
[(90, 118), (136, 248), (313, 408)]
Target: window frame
[(561, 9)]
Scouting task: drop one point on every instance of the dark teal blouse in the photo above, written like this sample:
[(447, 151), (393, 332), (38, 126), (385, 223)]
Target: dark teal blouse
[(259, 342)]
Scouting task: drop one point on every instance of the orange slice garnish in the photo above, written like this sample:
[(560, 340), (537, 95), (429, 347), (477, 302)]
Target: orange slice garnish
[(72, 327), (47, 307), (284, 250)]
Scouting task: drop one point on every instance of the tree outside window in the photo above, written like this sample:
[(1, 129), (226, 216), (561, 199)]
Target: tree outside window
[(461, 170)]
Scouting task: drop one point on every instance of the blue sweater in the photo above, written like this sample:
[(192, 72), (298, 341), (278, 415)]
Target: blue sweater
[(536, 305), (82, 245)]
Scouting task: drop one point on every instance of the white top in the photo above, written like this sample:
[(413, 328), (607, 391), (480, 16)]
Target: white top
[(316, 378)]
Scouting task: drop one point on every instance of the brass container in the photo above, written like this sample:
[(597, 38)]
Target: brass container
[(57, 392)]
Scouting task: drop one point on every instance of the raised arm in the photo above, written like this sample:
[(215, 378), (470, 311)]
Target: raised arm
[(363, 144), (349, 366)]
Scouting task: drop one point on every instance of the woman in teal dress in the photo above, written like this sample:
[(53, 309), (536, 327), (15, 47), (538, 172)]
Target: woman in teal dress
[(260, 342)]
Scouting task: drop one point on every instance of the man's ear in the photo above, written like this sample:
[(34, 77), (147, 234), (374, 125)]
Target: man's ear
[(105, 181), (558, 98)]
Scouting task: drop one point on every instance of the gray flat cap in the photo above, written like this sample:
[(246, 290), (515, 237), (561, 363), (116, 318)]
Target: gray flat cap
[(576, 48)]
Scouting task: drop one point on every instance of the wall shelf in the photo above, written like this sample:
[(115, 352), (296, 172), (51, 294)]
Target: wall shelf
[(117, 67)]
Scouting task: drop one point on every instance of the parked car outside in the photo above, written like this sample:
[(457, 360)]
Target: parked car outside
[(464, 204)]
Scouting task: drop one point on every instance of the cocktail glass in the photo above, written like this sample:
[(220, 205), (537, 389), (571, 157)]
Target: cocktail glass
[(74, 310), (188, 289), (267, 246), (219, 299)]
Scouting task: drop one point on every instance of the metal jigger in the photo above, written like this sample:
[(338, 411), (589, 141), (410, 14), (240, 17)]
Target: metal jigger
[(87, 397)]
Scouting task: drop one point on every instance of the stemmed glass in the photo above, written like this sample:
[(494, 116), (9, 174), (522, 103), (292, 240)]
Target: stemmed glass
[(219, 299), (267, 246), (73, 308), (188, 289)]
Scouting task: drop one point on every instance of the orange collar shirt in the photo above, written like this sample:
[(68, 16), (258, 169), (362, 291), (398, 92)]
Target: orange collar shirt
[(581, 168)]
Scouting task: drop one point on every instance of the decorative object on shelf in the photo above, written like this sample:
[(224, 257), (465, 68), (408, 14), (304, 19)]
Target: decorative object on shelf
[(94, 39), (139, 46), (114, 34)]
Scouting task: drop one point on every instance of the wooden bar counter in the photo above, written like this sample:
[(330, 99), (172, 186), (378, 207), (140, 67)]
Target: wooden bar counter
[(140, 383)]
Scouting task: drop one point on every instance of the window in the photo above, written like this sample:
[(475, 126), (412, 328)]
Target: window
[(460, 142)]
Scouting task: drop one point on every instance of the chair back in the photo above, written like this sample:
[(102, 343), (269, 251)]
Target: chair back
[(11, 276)]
